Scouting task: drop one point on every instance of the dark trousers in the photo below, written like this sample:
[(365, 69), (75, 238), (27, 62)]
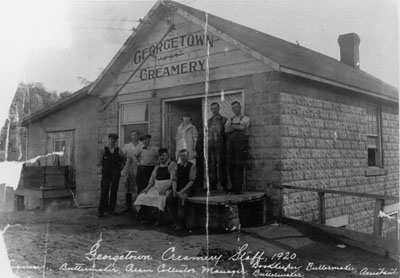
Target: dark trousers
[(109, 180), (236, 156), (176, 209), (143, 175), (217, 166)]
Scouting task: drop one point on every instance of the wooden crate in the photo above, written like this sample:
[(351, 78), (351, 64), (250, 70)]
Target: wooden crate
[(47, 176), (33, 176), (58, 181)]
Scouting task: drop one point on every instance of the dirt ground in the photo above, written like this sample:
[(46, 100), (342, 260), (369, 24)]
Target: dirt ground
[(75, 243)]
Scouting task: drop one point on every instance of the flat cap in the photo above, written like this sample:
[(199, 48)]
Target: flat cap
[(144, 137), (113, 135)]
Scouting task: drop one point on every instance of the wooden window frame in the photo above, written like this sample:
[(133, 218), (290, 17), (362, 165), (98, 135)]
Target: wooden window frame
[(377, 168), (122, 107), (58, 140), (56, 160)]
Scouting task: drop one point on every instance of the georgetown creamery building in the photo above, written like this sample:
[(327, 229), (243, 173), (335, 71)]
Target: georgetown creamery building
[(316, 122)]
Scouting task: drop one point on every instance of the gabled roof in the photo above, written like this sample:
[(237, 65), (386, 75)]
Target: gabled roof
[(81, 93), (279, 54), (295, 59)]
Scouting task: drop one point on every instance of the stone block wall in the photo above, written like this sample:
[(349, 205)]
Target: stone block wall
[(323, 139), (262, 106), (302, 133)]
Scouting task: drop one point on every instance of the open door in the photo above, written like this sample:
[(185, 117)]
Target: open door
[(175, 110)]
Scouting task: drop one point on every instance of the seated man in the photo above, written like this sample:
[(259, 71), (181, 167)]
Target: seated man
[(182, 183), (154, 195)]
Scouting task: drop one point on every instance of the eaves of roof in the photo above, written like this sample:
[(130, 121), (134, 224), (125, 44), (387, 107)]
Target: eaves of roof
[(281, 55), (294, 59), (62, 103)]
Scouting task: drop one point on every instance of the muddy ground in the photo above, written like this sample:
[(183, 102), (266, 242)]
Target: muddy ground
[(75, 243)]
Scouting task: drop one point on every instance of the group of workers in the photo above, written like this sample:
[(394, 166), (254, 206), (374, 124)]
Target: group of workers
[(155, 182)]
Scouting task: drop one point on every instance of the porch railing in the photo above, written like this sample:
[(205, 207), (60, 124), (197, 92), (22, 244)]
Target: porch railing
[(379, 202)]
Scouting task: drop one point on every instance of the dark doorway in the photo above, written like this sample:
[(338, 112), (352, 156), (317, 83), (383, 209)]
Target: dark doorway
[(175, 110)]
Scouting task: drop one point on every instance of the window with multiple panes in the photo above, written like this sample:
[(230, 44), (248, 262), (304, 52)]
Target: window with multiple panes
[(134, 116), (59, 146), (374, 136)]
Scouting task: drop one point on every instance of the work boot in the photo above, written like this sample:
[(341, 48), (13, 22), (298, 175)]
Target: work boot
[(128, 198)]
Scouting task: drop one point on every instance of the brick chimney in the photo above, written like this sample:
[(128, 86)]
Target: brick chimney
[(349, 49)]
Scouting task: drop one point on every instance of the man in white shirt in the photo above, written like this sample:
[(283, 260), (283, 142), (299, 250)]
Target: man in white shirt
[(237, 131), (131, 150), (148, 158)]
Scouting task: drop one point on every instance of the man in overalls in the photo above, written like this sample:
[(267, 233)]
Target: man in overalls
[(111, 162), (237, 130), (217, 149)]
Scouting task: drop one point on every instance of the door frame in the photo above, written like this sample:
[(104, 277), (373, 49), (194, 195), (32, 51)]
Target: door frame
[(72, 146), (165, 109)]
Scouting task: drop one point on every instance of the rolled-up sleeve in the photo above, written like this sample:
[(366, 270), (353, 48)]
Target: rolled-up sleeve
[(153, 176), (193, 173), (172, 170), (227, 126), (195, 133), (245, 122)]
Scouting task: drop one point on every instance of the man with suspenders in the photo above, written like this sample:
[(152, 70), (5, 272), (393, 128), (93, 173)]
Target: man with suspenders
[(111, 162), (217, 149), (237, 131)]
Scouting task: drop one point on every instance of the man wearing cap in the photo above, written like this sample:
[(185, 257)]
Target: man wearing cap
[(130, 150), (147, 158), (237, 131), (111, 162)]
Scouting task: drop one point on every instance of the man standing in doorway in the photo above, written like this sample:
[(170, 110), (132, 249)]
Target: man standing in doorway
[(131, 150), (217, 149), (237, 130), (111, 162)]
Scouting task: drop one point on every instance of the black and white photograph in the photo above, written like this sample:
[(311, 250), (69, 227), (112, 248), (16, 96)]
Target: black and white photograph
[(199, 138)]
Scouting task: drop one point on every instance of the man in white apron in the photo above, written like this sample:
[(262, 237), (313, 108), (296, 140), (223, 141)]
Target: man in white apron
[(158, 188)]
